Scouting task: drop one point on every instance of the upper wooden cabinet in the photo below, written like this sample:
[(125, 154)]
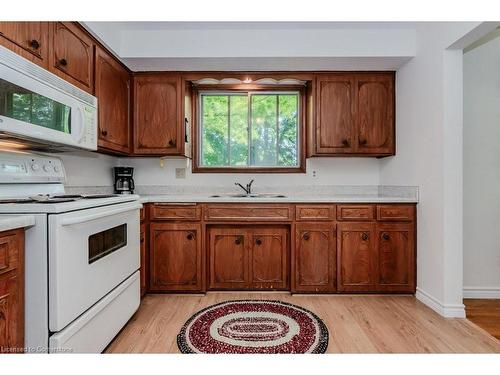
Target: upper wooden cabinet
[(112, 88), (158, 115), (71, 54), (28, 39), (354, 115)]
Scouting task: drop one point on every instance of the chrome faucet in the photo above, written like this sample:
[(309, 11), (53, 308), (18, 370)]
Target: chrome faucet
[(248, 189)]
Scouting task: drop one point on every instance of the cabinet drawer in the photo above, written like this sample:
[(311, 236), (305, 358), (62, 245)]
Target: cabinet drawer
[(167, 211), (251, 212), (392, 212), (314, 212), (355, 212)]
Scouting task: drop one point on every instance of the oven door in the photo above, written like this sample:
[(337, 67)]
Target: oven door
[(91, 252)]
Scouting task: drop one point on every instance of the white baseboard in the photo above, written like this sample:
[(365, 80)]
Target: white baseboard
[(446, 310), (481, 292)]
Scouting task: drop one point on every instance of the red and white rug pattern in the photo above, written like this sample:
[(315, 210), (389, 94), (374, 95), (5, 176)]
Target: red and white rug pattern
[(252, 326)]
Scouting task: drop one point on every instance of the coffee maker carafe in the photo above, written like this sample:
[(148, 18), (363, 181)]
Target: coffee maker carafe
[(124, 182)]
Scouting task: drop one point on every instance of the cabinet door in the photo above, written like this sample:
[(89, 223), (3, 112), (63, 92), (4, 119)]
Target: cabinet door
[(375, 114), (143, 269), (269, 258), (355, 257), (314, 257), (175, 257), (72, 55), (228, 258), (158, 121), (334, 108), (12, 291), (28, 39), (112, 87), (396, 258)]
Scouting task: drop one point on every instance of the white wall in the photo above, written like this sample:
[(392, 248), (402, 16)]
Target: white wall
[(428, 122), (88, 168), (329, 171), (482, 171)]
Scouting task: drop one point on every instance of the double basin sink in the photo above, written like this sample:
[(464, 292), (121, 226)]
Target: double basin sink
[(262, 195)]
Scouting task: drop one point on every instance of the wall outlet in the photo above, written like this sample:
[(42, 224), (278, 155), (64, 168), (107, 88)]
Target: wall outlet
[(180, 172)]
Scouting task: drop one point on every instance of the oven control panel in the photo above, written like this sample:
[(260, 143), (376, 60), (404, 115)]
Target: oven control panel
[(20, 167)]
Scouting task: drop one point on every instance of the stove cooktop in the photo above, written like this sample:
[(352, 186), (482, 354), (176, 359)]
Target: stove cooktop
[(45, 199)]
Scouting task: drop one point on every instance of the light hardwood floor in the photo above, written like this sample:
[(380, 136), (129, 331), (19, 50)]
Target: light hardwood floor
[(357, 324)]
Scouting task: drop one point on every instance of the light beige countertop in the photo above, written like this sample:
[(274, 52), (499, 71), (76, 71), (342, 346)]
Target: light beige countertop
[(9, 222)]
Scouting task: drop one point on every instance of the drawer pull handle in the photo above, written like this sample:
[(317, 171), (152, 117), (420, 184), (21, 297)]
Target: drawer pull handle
[(363, 142), (104, 132), (385, 236), (172, 143), (238, 240), (258, 241), (35, 44), (306, 236), (63, 62), (365, 236), (190, 236), (345, 142)]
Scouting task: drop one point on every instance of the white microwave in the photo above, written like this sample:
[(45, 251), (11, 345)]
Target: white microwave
[(40, 109)]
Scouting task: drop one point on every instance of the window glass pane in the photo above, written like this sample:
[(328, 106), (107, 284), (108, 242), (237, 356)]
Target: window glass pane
[(239, 130), (215, 130), (264, 129), (287, 139)]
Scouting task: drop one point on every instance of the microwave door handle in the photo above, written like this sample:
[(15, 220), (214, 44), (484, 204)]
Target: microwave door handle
[(86, 218)]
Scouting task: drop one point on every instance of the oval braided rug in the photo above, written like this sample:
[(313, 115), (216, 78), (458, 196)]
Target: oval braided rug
[(252, 326)]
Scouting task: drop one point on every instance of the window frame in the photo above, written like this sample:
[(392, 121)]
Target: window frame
[(248, 89)]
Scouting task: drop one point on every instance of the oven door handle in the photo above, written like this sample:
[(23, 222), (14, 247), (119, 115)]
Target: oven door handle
[(84, 219)]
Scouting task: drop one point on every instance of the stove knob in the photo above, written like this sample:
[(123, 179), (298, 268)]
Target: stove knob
[(46, 168), (35, 167), (56, 168)]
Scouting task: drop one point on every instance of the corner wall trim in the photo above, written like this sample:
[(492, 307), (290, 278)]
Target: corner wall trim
[(446, 310), (488, 292)]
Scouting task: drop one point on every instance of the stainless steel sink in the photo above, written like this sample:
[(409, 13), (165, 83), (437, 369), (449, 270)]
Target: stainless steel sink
[(262, 195)]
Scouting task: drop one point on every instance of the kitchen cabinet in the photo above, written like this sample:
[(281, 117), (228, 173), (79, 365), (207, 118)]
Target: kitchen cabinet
[(28, 39), (12, 291), (71, 54), (395, 258), (248, 257), (355, 257), (176, 260), (354, 115), (228, 258), (144, 268), (158, 125), (314, 257), (112, 89)]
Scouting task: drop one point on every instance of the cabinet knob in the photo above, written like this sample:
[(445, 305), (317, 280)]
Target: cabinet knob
[(35, 44), (306, 236), (63, 62), (172, 143), (104, 132), (238, 240), (190, 236), (362, 142), (345, 142), (258, 241), (364, 236), (385, 236)]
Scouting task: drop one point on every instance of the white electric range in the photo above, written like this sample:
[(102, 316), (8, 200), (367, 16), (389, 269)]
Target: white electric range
[(82, 257)]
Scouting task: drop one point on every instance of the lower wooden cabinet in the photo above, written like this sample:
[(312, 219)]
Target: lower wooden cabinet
[(12, 291), (176, 257), (143, 250), (248, 258), (355, 257), (314, 258)]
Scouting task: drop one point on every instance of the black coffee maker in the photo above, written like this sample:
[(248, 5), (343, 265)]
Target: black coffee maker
[(124, 183)]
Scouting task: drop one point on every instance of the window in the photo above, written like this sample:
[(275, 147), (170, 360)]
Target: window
[(250, 130)]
